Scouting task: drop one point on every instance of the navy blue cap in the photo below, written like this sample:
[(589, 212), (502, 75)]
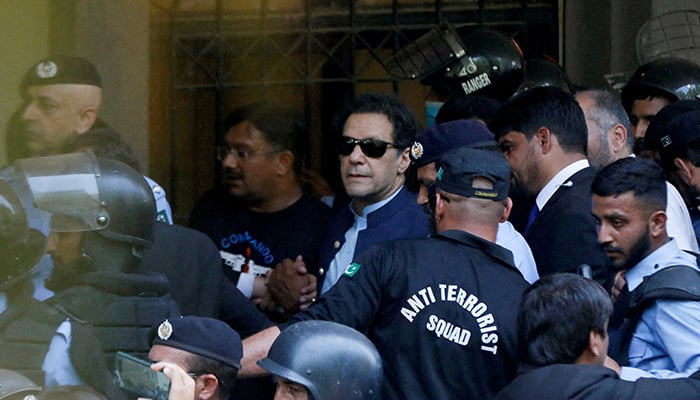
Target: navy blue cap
[(459, 167), (62, 70), (440, 138), (674, 126), (206, 337)]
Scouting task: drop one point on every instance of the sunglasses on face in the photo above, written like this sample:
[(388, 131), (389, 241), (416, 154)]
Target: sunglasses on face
[(373, 148)]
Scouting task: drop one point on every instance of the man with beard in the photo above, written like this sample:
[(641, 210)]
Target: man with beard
[(542, 133), (649, 331), (265, 227), (610, 138), (652, 87), (674, 137), (439, 139)]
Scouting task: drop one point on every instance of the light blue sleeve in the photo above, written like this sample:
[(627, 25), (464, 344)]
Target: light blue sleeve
[(57, 367)]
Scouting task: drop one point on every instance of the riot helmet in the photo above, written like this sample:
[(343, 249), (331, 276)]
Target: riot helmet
[(14, 385), (20, 246), (480, 61), (670, 77), (543, 72), (84, 193), (331, 360)]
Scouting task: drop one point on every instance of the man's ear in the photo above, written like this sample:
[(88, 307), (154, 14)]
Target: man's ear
[(506, 210), (404, 162), (209, 386), (285, 162), (594, 351), (87, 118), (657, 223), (544, 139), (618, 138)]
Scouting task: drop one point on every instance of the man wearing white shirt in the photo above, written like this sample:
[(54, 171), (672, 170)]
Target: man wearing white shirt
[(609, 139), (542, 133)]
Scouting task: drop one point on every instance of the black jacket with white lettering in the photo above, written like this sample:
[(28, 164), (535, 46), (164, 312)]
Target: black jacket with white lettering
[(441, 311)]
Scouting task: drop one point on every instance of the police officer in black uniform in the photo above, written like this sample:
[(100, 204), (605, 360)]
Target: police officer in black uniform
[(441, 311)]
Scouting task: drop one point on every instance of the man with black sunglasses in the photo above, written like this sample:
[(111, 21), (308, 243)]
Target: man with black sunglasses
[(440, 310), (377, 131)]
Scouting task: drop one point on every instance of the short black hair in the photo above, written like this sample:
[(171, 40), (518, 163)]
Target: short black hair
[(638, 92), (404, 121), (283, 128), (550, 107), (556, 316), (643, 177), (226, 374)]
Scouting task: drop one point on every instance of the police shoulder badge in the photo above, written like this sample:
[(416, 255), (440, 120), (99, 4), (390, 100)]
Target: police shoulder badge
[(416, 150), (165, 330), (47, 69)]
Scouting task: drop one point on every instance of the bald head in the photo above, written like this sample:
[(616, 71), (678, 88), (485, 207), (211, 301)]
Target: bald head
[(54, 114)]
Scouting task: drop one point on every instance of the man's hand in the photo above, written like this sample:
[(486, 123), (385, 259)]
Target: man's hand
[(290, 285), (181, 384), (618, 286)]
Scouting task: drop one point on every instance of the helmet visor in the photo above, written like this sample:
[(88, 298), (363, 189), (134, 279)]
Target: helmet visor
[(65, 186), (437, 49)]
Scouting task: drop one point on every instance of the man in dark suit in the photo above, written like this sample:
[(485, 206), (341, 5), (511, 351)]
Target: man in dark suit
[(543, 135)]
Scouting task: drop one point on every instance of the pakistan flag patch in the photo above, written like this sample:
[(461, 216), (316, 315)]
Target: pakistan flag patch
[(352, 269)]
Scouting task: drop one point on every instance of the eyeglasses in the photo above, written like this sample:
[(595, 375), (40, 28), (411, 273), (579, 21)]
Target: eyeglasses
[(373, 148), (222, 152)]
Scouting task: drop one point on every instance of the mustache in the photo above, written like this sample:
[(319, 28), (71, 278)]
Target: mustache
[(612, 249), (230, 173)]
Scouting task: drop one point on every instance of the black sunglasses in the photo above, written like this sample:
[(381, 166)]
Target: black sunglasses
[(373, 148)]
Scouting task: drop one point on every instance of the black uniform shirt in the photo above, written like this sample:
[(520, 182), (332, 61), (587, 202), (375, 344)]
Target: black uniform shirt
[(441, 311)]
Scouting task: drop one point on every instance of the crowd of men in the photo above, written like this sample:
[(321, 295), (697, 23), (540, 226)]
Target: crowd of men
[(539, 243)]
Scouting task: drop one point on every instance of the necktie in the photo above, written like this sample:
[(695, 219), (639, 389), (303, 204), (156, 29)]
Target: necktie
[(530, 219)]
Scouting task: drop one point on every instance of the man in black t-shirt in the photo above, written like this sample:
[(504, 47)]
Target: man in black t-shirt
[(265, 227)]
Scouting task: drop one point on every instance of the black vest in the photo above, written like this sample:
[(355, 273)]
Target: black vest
[(26, 329), (120, 307), (678, 282)]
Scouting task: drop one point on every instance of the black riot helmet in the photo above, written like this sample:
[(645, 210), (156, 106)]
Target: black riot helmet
[(20, 246), (480, 61), (671, 77), (543, 72), (331, 360), (88, 194)]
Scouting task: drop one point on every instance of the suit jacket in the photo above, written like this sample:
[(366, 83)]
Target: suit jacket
[(563, 236), (401, 218)]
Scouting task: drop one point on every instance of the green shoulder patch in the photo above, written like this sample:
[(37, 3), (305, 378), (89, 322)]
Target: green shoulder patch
[(352, 269)]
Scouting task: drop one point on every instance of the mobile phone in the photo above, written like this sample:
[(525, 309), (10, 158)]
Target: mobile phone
[(135, 376)]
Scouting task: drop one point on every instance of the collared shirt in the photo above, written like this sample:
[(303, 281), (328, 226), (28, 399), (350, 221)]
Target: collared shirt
[(558, 180), (666, 342), (512, 240), (344, 256)]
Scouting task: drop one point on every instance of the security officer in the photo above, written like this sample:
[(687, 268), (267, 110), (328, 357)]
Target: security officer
[(323, 360), (655, 85), (27, 326), (102, 217), (440, 310)]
